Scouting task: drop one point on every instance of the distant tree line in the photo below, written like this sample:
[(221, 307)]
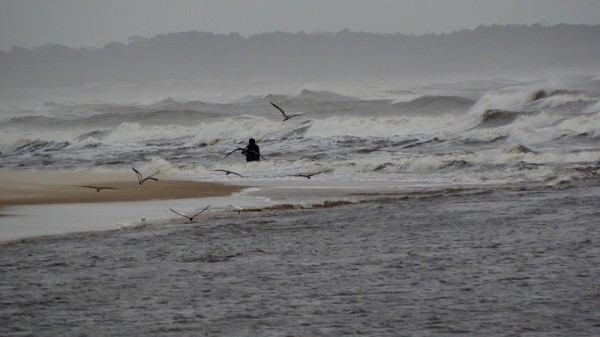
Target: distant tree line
[(345, 54)]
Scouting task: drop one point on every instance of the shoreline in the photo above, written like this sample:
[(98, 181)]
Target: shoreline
[(52, 187)]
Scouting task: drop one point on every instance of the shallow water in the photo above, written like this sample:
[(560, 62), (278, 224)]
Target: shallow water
[(481, 262), (25, 221)]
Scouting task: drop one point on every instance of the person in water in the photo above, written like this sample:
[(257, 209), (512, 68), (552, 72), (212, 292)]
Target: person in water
[(252, 151)]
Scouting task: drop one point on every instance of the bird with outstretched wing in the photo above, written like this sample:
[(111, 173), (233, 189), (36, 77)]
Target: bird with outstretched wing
[(285, 116), (227, 172), (308, 175), (244, 150), (191, 218), (141, 178), (99, 188)]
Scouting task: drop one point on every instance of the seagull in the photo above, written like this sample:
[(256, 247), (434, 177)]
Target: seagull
[(238, 149), (191, 218), (245, 149), (227, 172), (141, 180), (98, 188), (285, 116), (236, 208), (309, 174)]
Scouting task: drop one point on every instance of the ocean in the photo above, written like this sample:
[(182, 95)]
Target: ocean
[(473, 132), (446, 208), (476, 262)]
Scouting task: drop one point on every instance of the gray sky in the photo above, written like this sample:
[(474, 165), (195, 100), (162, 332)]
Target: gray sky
[(94, 23)]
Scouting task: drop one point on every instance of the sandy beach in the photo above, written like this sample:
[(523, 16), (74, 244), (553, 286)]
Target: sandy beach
[(54, 187)]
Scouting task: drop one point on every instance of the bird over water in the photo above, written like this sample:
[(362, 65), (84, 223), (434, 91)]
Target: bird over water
[(285, 116), (191, 218)]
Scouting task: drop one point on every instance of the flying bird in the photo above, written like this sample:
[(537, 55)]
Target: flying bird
[(285, 116), (227, 172), (238, 149), (191, 218), (98, 188), (308, 175), (245, 149), (141, 179)]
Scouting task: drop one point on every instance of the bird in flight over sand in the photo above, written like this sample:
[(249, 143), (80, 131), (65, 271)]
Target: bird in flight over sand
[(141, 179), (242, 149), (285, 116), (308, 175), (227, 172), (98, 188), (191, 218)]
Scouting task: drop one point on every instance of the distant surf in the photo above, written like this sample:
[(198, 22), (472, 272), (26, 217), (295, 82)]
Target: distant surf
[(460, 132)]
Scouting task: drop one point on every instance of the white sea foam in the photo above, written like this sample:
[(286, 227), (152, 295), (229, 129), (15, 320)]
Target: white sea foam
[(371, 133), (595, 108), (512, 100), (588, 124)]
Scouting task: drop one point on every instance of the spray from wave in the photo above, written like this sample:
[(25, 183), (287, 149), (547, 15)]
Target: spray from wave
[(466, 132)]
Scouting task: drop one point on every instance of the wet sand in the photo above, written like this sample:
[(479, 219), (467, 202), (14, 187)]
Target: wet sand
[(41, 187)]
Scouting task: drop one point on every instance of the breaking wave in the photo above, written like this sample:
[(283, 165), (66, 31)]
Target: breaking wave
[(467, 132)]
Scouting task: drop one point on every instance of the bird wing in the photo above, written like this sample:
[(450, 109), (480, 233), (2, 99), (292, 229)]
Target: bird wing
[(227, 172), (107, 188), (238, 149), (278, 108), (205, 208), (174, 211), (308, 175), (324, 171), (251, 151), (137, 173), (152, 175)]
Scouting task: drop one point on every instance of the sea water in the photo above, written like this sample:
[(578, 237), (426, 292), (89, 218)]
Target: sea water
[(464, 208), (490, 132), (497, 131), (493, 262)]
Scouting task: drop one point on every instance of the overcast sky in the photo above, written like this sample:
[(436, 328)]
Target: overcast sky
[(94, 23)]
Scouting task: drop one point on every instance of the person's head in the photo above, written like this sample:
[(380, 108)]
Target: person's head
[(252, 141)]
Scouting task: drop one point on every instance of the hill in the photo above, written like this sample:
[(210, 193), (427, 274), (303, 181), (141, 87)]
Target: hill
[(345, 54)]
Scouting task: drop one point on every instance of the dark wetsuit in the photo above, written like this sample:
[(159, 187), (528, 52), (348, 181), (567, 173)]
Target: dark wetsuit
[(252, 152)]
